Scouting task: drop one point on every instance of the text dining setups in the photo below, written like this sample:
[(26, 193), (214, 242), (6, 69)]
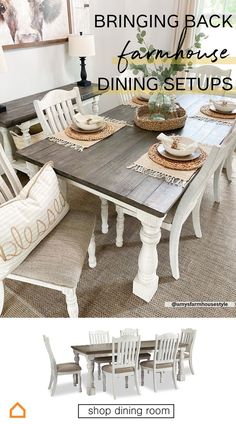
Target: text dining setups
[(128, 54)]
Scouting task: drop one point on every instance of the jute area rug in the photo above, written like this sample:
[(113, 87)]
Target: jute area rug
[(207, 268)]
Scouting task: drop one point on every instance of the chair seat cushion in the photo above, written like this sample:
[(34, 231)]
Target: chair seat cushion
[(29, 217), (68, 367), (150, 364), (108, 368), (59, 258)]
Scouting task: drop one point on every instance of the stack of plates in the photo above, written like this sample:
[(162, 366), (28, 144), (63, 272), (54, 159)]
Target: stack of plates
[(88, 123), (195, 155)]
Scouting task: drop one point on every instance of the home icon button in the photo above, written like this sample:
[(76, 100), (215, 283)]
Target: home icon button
[(17, 411)]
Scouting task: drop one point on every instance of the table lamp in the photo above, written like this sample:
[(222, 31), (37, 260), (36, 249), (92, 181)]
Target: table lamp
[(3, 68), (82, 46)]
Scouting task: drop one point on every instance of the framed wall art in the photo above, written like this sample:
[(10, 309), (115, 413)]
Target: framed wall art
[(34, 23)]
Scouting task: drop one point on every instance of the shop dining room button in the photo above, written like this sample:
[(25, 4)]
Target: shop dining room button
[(17, 411)]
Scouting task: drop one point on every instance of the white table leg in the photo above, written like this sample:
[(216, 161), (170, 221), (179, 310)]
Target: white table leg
[(90, 382), (25, 127), (181, 373), (31, 169), (7, 143), (95, 105), (104, 215), (146, 281)]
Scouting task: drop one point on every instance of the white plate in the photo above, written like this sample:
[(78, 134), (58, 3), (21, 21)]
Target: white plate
[(212, 107), (161, 150), (75, 127)]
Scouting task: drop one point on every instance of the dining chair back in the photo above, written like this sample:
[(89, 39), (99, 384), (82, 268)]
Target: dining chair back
[(209, 71), (166, 348), (129, 332), (10, 185), (57, 108), (127, 95), (99, 337), (125, 360), (187, 337), (61, 369)]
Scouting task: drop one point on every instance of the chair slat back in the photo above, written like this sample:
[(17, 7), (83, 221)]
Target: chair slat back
[(126, 95), (209, 71), (125, 352), (10, 185), (129, 332), (56, 110), (188, 337), (99, 337), (50, 354), (166, 348), (196, 189)]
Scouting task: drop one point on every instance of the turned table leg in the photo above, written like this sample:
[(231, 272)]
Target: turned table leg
[(146, 281), (181, 373), (95, 105), (90, 382)]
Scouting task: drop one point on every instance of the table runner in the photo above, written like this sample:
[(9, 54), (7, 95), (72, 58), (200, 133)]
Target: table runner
[(66, 141)]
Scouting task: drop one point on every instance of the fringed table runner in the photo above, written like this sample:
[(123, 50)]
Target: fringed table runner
[(206, 114), (80, 141), (147, 166)]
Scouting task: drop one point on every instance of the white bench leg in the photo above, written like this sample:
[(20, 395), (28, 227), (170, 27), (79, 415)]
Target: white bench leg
[(216, 183), (71, 301), (1, 296), (196, 219), (104, 215), (92, 253)]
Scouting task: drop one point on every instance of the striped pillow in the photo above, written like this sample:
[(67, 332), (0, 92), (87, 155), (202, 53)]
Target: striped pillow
[(29, 218)]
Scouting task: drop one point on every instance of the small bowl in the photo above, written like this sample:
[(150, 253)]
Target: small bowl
[(226, 106), (88, 122), (144, 96), (186, 146)]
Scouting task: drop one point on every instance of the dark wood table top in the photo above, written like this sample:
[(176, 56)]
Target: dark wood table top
[(103, 167), (106, 348), (22, 110)]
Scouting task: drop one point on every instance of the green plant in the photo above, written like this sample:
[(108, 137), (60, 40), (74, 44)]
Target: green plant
[(165, 70)]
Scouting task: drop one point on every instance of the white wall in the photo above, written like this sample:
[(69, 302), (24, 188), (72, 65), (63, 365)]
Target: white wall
[(44, 68)]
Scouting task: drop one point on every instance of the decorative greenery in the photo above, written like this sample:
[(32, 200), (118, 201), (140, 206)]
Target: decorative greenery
[(163, 71)]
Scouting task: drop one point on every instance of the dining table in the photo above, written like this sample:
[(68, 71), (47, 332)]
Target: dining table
[(93, 351), (103, 169)]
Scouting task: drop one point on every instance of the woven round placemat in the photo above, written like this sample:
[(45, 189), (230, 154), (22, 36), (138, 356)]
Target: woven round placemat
[(100, 135), (178, 165), (139, 101), (207, 111)]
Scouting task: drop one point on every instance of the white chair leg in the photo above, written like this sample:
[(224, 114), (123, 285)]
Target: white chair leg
[(99, 371), (216, 183), (50, 382), (174, 250), (120, 221), (79, 382), (113, 388), (142, 377), (196, 219), (191, 364), (174, 376), (92, 253), (229, 166), (104, 215), (126, 381), (71, 301), (137, 383), (75, 379), (54, 384), (1, 296), (104, 381), (154, 382)]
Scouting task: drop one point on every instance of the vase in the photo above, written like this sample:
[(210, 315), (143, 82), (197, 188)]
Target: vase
[(161, 105)]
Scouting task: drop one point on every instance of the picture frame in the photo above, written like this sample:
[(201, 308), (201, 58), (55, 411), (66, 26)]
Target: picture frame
[(64, 15)]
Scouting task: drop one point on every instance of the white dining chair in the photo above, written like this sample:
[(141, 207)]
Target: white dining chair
[(189, 203), (61, 369), (142, 355), (40, 268), (127, 95), (187, 337), (55, 112), (125, 357), (164, 358), (100, 337), (209, 71)]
